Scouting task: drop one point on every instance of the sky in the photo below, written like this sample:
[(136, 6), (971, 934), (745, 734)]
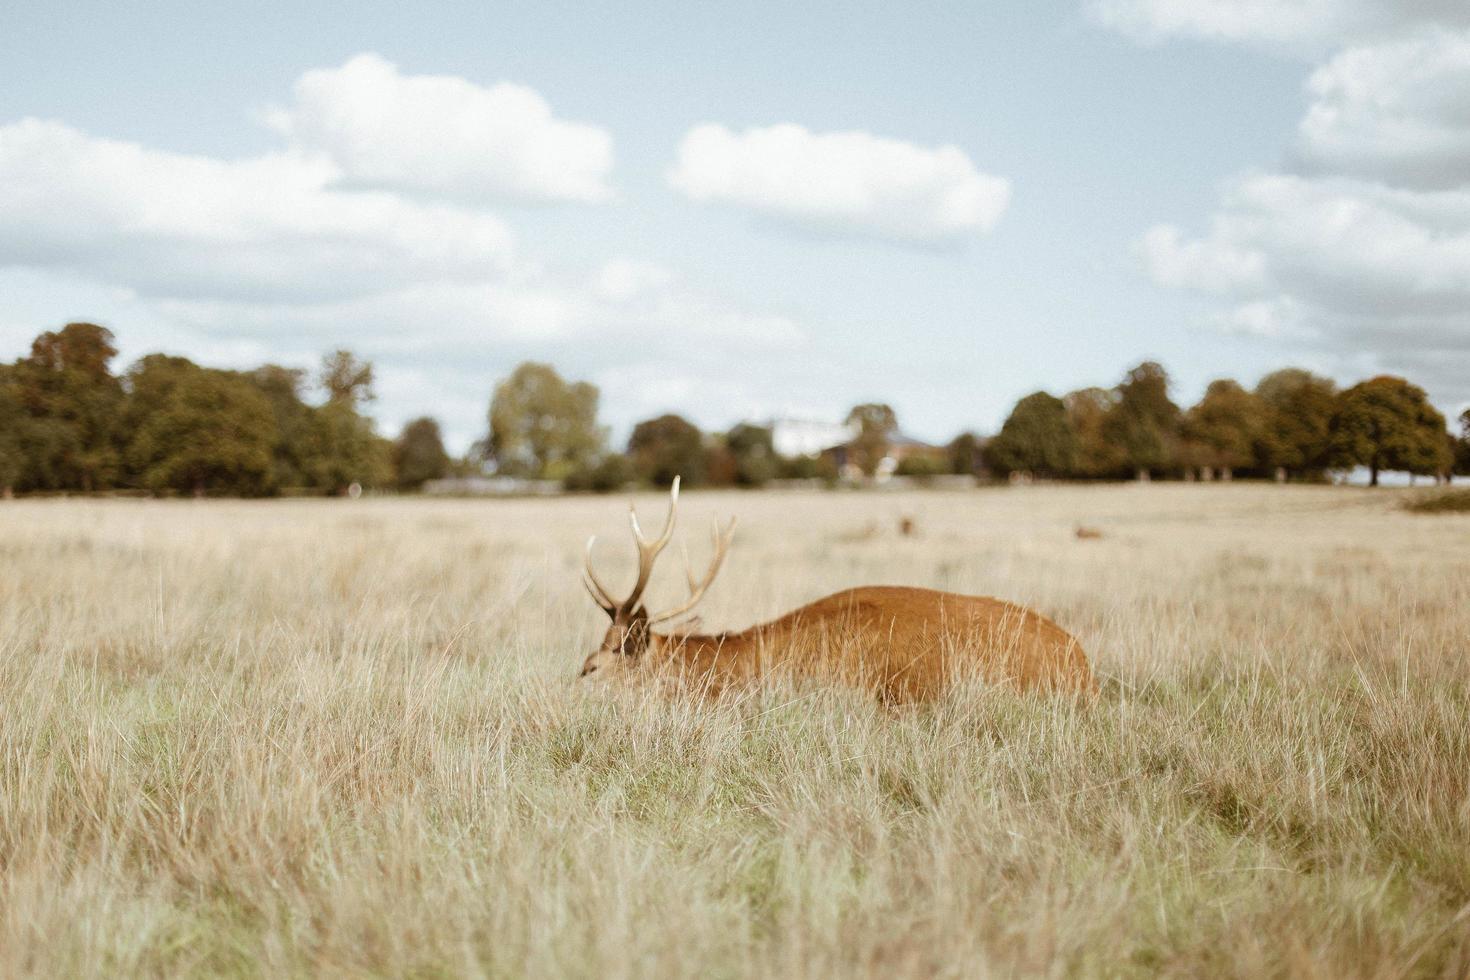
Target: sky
[(744, 211)]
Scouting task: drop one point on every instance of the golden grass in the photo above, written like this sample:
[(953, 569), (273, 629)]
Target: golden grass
[(343, 738)]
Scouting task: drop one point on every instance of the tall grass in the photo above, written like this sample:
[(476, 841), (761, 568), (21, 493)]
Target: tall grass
[(343, 738)]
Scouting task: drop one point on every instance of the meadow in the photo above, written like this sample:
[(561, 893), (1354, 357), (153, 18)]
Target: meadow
[(344, 738)]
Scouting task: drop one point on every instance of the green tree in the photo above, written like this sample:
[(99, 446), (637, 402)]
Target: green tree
[(1088, 410), (348, 450), (13, 422), (197, 430), (1036, 438), (296, 455), (1144, 421), (611, 472), (964, 452), (347, 379), (543, 426), (1386, 423), (1462, 445), (754, 454), (1223, 429), (67, 389), (665, 447), (418, 455), (1296, 409), (876, 423)]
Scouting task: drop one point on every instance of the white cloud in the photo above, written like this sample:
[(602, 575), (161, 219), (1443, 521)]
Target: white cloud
[(1398, 112), (276, 257), (1364, 251), (170, 224), (845, 183), (1356, 266), (1276, 22), (1214, 265), (444, 135)]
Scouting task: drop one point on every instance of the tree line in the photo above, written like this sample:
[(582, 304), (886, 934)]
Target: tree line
[(166, 425), (1293, 424)]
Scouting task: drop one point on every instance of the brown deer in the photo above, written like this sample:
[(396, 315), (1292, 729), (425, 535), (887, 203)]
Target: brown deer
[(903, 643)]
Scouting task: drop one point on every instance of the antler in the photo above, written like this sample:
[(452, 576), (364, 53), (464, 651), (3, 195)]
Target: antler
[(697, 588), (647, 552)]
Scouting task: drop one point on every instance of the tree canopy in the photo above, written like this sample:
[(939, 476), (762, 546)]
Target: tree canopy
[(876, 422), (1144, 422), (1388, 423), (543, 426), (1222, 431), (665, 447), (197, 430), (1036, 438), (418, 455), (1296, 408)]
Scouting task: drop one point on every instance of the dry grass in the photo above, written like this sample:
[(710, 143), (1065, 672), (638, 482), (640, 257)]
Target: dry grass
[(342, 738)]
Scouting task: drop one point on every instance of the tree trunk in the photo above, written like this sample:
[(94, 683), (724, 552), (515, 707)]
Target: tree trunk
[(1143, 476), (1281, 474), (1226, 474), (8, 493), (1207, 474), (1373, 477)]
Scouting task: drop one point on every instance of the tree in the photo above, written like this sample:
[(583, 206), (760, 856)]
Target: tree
[(67, 389), (754, 454), (197, 430), (1296, 418), (612, 472), (875, 423), (13, 421), (1087, 412), (1462, 445), (348, 451), (543, 426), (297, 453), (964, 452), (1036, 438), (1144, 421), (1386, 423), (1223, 429), (665, 447), (347, 379), (418, 455)]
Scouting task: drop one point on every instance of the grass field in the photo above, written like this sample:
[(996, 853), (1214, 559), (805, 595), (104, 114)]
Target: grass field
[(343, 738)]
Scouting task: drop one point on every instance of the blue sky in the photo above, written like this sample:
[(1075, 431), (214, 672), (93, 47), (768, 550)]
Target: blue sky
[(936, 205)]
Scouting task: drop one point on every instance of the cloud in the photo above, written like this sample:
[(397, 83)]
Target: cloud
[(443, 135), (1350, 265), (844, 183), (281, 256), (1288, 23), (1397, 112), (171, 224), (1360, 249)]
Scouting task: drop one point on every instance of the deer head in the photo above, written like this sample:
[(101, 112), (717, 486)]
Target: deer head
[(630, 635)]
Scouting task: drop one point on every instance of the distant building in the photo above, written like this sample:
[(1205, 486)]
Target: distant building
[(491, 486), (900, 448), (803, 437)]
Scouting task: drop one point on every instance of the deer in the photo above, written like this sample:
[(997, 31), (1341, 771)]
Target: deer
[(903, 644)]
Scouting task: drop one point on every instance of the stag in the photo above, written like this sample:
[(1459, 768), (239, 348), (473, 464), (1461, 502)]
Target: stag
[(904, 644)]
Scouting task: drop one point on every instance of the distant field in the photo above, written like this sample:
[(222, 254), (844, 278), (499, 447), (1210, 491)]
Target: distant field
[(288, 738)]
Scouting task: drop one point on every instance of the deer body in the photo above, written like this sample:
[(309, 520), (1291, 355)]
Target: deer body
[(903, 643)]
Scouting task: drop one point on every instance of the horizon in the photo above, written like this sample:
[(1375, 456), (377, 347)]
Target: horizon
[(780, 214)]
